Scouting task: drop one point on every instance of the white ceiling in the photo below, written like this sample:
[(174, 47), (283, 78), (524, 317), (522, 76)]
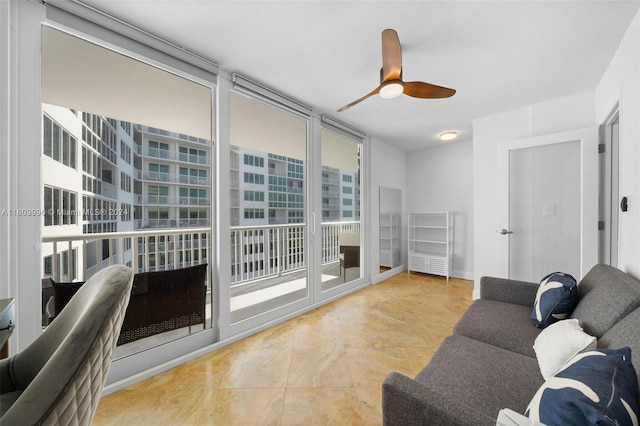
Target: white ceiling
[(498, 55)]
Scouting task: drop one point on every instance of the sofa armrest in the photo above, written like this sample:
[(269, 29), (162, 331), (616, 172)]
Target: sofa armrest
[(407, 402), (509, 291)]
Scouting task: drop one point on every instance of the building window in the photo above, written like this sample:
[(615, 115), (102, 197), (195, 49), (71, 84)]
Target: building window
[(125, 152), (193, 176), (277, 184), (59, 207), (58, 143), (191, 155), (347, 202), (158, 214), (347, 190), (125, 182), (256, 178), (193, 196), (295, 170), (253, 196), (347, 178), (158, 149), (347, 213), (125, 212), (253, 160), (254, 213), (158, 194), (277, 200), (159, 172)]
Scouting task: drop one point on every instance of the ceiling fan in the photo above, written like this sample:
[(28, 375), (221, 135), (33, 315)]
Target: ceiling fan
[(391, 84)]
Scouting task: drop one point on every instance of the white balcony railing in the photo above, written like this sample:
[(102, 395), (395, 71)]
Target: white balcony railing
[(150, 176), (170, 200), (172, 155), (256, 251)]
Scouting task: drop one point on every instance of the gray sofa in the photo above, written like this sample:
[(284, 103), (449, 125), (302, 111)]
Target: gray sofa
[(489, 363)]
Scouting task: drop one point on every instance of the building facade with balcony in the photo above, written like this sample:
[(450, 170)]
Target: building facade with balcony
[(103, 176), (172, 182)]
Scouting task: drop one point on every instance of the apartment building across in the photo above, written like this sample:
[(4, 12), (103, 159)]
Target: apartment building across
[(103, 175)]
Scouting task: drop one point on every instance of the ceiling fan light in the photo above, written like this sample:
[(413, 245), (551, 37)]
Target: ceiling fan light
[(391, 90), (448, 135)]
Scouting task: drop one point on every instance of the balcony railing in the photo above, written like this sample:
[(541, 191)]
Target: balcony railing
[(172, 223), (171, 178), (256, 251), (172, 155), (177, 135), (169, 200)]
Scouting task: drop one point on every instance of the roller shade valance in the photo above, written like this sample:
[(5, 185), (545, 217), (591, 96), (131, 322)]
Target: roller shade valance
[(81, 75), (95, 23)]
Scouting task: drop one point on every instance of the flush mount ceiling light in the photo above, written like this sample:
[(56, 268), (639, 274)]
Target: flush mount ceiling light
[(448, 135), (391, 90)]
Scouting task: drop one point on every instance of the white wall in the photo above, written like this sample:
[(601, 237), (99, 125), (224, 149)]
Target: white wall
[(621, 83), (441, 179), (388, 166), (572, 112)]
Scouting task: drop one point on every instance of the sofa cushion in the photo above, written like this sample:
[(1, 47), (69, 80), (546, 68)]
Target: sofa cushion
[(606, 296), (556, 297), (559, 343), (484, 376), (505, 325), (595, 387), (625, 333)]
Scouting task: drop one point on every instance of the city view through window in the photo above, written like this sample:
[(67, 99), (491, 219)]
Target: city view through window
[(121, 192)]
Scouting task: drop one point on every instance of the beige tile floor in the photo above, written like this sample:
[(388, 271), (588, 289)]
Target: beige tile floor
[(324, 367)]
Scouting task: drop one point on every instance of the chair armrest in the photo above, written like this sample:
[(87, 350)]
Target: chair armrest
[(407, 402), (509, 291)]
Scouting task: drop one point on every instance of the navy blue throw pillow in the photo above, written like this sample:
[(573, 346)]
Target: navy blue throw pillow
[(555, 300), (596, 387)]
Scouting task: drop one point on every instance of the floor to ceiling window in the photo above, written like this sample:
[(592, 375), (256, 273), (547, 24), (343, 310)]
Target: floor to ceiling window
[(268, 202), (131, 175), (128, 172), (341, 231)]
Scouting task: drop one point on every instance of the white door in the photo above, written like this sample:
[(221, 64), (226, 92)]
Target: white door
[(548, 205)]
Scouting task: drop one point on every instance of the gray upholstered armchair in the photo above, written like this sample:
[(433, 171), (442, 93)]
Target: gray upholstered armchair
[(58, 379)]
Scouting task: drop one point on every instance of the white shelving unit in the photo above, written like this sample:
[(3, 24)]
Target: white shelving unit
[(390, 240), (430, 243)]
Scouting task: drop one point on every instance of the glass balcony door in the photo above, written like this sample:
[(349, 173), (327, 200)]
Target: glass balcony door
[(110, 181), (268, 204), (341, 251)]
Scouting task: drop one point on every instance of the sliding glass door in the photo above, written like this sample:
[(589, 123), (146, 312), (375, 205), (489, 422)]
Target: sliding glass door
[(127, 179), (342, 249), (268, 204)]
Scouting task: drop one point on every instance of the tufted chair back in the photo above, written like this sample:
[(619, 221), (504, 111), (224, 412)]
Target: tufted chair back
[(58, 379)]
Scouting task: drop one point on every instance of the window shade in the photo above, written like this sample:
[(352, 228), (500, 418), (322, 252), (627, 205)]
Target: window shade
[(88, 75), (95, 23), (340, 145)]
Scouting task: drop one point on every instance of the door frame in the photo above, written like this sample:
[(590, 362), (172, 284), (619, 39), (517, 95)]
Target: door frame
[(588, 138), (609, 172)]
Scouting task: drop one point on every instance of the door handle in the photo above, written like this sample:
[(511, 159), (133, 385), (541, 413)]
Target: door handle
[(505, 231)]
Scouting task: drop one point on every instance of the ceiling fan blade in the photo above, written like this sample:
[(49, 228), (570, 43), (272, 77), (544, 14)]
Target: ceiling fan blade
[(391, 56), (373, 92), (420, 89)]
